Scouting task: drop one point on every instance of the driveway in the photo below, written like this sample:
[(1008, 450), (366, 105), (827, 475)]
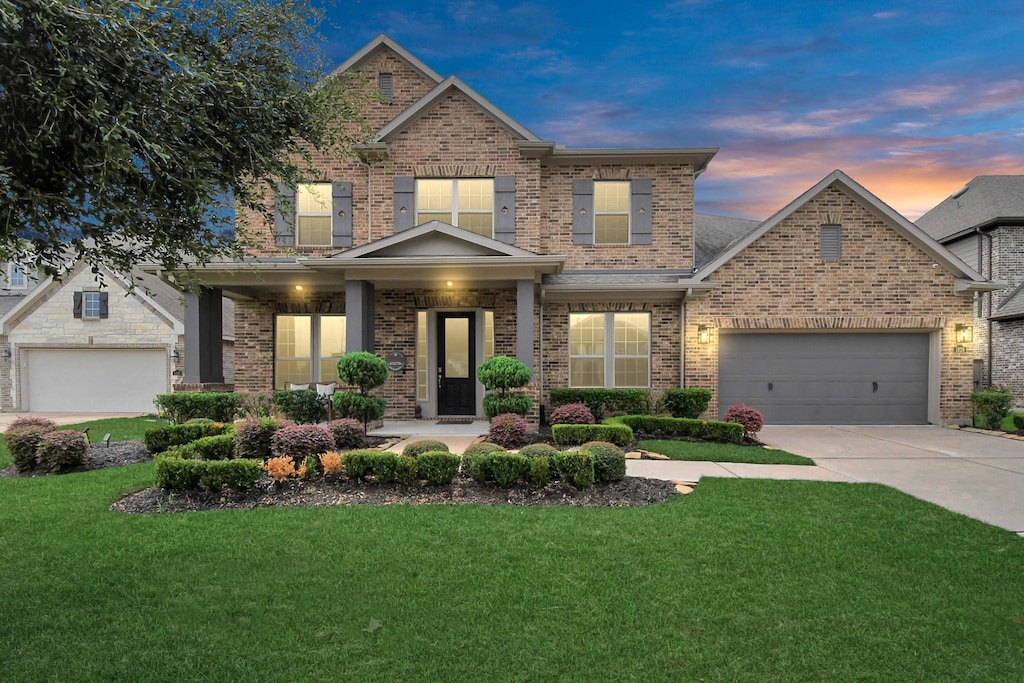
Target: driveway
[(977, 475)]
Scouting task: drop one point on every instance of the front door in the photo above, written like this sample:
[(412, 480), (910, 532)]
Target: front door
[(456, 364)]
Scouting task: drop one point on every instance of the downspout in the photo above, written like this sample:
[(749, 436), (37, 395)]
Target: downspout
[(369, 194), (540, 365), (682, 338), (988, 316)]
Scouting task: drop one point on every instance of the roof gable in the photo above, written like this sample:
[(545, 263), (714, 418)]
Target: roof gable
[(380, 42), (432, 239), (873, 205), (450, 85), (985, 200)]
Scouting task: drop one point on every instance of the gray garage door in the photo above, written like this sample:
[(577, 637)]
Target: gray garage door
[(827, 378), (93, 380)]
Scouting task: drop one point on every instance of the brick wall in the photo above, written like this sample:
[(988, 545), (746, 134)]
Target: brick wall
[(882, 282)]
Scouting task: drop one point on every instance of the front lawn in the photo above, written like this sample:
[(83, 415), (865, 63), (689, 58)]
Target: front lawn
[(1007, 424), (741, 580), (721, 452)]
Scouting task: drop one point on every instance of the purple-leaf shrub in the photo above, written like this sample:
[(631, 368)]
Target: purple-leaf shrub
[(62, 450), (32, 421), (750, 418), (348, 433), (572, 414), (508, 430), (298, 441)]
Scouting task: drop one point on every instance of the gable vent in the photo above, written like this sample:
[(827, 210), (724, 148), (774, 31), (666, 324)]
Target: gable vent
[(831, 242), (387, 86)]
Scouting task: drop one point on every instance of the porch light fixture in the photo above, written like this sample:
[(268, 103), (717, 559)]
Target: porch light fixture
[(964, 334), (298, 288), (5, 354), (703, 334), (449, 283), (175, 356)]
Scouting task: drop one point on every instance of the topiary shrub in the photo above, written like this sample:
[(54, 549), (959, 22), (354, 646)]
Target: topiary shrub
[(991, 406), (483, 448), (367, 372), (508, 430), (415, 448), (347, 433), (508, 468), (609, 460), (571, 414), (253, 436), (438, 467), (688, 402), (62, 450), (182, 406), (538, 450), (750, 418), (540, 471), (22, 442), (500, 375), (572, 435), (298, 441), (303, 406), (575, 468), (355, 406)]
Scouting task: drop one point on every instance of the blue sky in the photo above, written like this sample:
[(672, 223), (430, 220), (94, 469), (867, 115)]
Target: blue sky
[(912, 99)]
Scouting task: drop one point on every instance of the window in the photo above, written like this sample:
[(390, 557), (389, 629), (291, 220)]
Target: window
[(313, 204), (831, 242), (609, 350), (91, 305), (488, 335), (465, 203), (299, 339), (611, 212), (422, 376), (15, 276), (387, 86)]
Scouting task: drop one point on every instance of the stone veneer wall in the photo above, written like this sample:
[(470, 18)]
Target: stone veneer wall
[(882, 282)]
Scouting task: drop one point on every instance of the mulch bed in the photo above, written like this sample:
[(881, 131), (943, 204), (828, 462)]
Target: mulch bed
[(98, 457)]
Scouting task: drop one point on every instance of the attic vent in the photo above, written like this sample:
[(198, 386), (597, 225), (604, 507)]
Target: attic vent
[(831, 242), (387, 86)]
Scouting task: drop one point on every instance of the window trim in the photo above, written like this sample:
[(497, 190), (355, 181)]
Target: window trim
[(455, 211), (328, 213), (609, 356), (13, 268), (314, 356), (628, 213)]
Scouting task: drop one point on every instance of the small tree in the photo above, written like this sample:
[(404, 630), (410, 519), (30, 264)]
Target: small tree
[(500, 375), (366, 371)]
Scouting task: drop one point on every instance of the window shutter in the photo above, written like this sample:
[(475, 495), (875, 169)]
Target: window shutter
[(640, 211), (104, 305), (583, 211), (831, 242), (505, 209), (284, 216), (405, 203), (341, 218), (77, 307)]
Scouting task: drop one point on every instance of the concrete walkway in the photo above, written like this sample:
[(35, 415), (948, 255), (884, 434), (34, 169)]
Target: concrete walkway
[(457, 436), (692, 471)]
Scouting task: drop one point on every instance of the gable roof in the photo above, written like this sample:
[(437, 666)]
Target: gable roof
[(442, 90), (968, 279), (713, 234), (986, 200), (382, 41)]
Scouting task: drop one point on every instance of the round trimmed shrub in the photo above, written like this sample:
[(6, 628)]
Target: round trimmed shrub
[(62, 450), (437, 467), (253, 438), (609, 460), (348, 433), (416, 448), (298, 441), (362, 369), (750, 418), (496, 404), (483, 448), (23, 442), (575, 468), (508, 468), (540, 470), (361, 407), (508, 430), (502, 373), (572, 414), (538, 450)]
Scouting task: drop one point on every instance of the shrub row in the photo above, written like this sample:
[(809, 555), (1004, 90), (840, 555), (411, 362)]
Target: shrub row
[(620, 434), (160, 439), (182, 406), (602, 401), (180, 474), (219, 447), (710, 430)]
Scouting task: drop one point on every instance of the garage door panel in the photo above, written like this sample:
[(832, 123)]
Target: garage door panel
[(827, 378), (93, 380)]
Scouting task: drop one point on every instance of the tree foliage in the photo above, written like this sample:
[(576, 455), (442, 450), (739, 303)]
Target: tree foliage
[(133, 130)]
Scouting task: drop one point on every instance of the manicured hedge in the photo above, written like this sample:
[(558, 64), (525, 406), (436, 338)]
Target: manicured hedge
[(385, 466), (688, 402), (437, 467), (711, 430), (162, 438), (182, 406), (573, 435), (602, 401), (575, 467), (179, 474), (609, 461), (220, 447)]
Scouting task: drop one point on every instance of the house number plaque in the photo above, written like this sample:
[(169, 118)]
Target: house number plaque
[(395, 361)]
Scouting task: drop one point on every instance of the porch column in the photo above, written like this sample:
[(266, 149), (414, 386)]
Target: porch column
[(524, 322), (204, 337), (359, 296)]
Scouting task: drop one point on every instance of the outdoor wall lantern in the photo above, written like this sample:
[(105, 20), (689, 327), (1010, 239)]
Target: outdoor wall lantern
[(175, 356), (5, 354), (964, 334), (703, 334)]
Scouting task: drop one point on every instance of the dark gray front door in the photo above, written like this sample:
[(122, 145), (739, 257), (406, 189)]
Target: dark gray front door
[(456, 364), (826, 378)]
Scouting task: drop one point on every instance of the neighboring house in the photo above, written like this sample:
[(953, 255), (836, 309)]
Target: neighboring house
[(983, 224), (74, 346), (591, 267)]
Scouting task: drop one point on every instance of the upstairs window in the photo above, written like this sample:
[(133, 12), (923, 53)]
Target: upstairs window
[(611, 212), (15, 276), (464, 203), (91, 305), (831, 242), (313, 215)]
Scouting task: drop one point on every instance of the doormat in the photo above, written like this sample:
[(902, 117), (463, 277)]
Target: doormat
[(455, 421)]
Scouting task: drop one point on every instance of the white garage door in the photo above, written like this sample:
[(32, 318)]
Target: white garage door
[(93, 380)]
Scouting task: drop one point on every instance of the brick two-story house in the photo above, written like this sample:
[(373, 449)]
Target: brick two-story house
[(458, 234)]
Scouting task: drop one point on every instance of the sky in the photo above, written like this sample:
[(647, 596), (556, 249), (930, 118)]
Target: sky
[(911, 99)]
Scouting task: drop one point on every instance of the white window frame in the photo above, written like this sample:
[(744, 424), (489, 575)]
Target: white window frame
[(95, 298), (609, 356), (314, 356), (628, 213), (327, 211), (456, 211), (16, 276)]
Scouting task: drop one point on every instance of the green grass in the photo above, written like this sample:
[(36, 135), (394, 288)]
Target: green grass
[(1007, 424), (742, 580), (722, 452), (119, 428)]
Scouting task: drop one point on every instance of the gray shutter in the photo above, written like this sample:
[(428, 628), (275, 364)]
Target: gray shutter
[(77, 308), (284, 216), (640, 211), (831, 242), (583, 211), (341, 216), (405, 203), (104, 305), (505, 209)]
